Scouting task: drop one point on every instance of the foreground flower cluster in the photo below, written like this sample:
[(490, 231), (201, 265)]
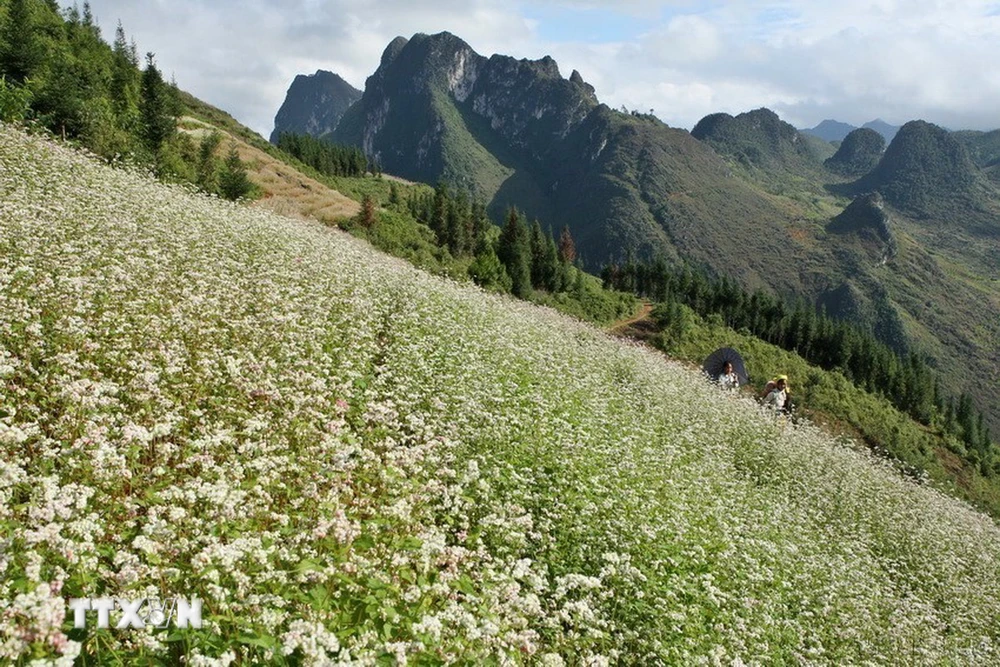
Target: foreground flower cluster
[(350, 461)]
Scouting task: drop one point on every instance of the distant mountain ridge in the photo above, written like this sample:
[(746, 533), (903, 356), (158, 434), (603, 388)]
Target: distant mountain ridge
[(314, 104), (830, 130), (834, 130)]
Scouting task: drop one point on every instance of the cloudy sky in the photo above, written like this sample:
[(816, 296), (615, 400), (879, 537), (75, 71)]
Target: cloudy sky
[(853, 60)]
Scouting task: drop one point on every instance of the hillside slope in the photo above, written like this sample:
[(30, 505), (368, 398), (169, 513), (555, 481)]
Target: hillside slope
[(346, 458), (743, 196), (283, 187)]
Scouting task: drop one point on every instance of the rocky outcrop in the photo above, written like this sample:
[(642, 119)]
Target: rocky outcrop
[(867, 220), (314, 104), (438, 79)]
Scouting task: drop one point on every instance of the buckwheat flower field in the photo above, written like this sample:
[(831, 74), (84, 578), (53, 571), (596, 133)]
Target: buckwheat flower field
[(351, 462)]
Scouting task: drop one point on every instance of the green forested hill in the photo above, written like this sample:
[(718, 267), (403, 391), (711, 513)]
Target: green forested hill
[(858, 153)]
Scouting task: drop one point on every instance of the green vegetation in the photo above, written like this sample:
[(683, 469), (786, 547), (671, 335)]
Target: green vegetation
[(983, 147), (233, 181), (765, 148), (926, 172), (56, 73), (326, 158), (452, 235), (871, 387), (858, 153), (346, 459)]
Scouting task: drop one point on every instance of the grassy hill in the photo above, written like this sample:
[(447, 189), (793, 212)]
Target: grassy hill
[(886, 274), (862, 230), (346, 458), (858, 153), (760, 142)]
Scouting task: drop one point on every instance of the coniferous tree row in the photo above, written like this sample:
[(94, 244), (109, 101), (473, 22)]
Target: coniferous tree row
[(527, 257), (460, 224), (323, 156), (56, 72), (906, 380)]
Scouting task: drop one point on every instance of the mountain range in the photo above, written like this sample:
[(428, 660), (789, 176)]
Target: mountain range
[(834, 130), (747, 196)]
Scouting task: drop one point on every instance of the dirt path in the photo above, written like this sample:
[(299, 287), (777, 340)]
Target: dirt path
[(640, 325)]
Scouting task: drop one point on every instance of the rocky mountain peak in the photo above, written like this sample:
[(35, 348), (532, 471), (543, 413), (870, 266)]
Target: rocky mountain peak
[(314, 104), (392, 50), (412, 103)]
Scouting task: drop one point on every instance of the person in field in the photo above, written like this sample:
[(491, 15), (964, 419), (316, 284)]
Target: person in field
[(775, 394), (728, 379)]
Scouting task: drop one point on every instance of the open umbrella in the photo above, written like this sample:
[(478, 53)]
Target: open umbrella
[(715, 362)]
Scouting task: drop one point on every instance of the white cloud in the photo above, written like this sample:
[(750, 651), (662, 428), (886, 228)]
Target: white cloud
[(853, 60)]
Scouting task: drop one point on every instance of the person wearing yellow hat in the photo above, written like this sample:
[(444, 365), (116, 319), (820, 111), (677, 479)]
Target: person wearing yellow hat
[(776, 393)]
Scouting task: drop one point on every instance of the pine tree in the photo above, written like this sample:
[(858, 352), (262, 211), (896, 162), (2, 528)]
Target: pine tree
[(964, 416), (234, 183), (22, 53), (480, 227), (158, 125), (456, 228), (367, 215), (537, 244), (439, 218), (124, 87), (514, 252), (567, 248), (555, 271), (489, 273), (208, 163)]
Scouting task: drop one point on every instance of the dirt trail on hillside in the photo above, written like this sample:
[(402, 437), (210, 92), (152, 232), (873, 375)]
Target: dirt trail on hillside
[(640, 326)]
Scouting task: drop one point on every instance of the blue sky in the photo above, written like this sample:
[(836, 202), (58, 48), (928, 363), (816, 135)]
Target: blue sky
[(854, 60), (585, 24)]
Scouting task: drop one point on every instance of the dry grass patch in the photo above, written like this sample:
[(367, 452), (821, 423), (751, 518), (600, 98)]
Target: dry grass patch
[(286, 190)]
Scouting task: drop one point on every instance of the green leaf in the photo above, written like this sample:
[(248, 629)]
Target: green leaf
[(320, 596), (264, 641), (308, 565)]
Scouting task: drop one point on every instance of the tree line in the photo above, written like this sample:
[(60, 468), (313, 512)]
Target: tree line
[(57, 73), (520, 259), (325, 157), (448, 231), (906, 380)]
